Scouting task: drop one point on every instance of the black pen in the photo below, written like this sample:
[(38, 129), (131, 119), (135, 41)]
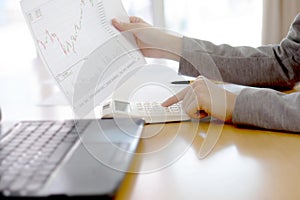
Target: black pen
[(182, 82), (192, 81)]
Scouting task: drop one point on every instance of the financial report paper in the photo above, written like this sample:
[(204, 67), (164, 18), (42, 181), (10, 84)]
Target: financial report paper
[(84, 53)]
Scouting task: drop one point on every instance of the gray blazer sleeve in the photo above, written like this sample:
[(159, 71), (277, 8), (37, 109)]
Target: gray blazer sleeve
[(274, 66)]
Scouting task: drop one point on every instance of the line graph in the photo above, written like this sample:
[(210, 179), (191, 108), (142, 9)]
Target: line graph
[(68, 31), (67, 46), (78, 44)]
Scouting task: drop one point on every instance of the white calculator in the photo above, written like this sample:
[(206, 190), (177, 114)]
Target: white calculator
[(151, 112)]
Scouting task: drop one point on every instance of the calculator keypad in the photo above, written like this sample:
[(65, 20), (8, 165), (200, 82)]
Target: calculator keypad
[(156, 108)]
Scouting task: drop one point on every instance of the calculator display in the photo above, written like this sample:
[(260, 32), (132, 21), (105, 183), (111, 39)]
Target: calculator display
[(122, 106)]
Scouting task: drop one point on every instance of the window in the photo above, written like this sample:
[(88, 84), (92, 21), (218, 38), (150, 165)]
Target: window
[(235, 22), (141, 8)]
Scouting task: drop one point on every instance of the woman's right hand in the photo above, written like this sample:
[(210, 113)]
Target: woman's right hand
[(153, 42), (204, 98)]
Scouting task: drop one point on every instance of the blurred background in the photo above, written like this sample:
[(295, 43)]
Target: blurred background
[(235, 22), (219, 21)]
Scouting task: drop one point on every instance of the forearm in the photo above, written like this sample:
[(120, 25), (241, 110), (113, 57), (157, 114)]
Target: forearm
[(172, 47), (274, 110), (266, 66), (242, 65)]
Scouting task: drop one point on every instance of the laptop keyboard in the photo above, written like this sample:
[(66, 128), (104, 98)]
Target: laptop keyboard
[(31, 152)]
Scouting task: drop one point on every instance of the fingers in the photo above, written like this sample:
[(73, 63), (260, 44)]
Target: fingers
[(134, 19), (117, 24), (191, 98), (192, 105), (202, 114), (175, 98), (204, 98), (192, 108), (135, 22), (122, 26)]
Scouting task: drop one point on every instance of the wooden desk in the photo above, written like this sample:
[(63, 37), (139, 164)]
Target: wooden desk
[(245, 164)]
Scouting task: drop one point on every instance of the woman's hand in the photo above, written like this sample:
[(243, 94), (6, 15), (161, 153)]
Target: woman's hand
[(153, 42), (204, 98)]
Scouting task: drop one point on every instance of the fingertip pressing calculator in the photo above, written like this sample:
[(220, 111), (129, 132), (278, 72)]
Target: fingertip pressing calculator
[(151, 112)]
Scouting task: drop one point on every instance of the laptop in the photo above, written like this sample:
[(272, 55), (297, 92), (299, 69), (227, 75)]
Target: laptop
[(73, 158), (76, 158)]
